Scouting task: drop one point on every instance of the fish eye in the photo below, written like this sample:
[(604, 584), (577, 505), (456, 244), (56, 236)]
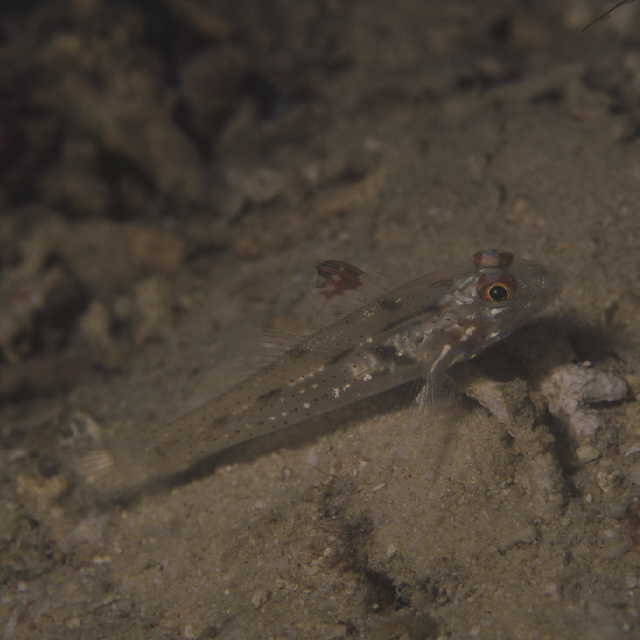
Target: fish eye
[(497, 290)]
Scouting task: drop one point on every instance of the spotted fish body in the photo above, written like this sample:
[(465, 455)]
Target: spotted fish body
[(417, 330)]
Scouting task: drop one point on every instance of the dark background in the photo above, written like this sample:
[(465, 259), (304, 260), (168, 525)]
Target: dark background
[(169, 173)]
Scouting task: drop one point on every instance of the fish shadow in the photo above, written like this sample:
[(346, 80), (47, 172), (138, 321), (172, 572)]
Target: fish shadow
[(530, 353)]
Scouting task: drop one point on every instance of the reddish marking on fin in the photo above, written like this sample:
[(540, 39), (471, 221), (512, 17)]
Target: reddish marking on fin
[(337, 277)]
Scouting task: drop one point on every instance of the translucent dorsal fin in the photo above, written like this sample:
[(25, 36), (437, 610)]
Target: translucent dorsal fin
[(333, 289)]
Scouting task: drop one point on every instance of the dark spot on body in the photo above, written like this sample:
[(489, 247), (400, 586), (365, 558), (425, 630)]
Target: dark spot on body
[(297, 352), (385, 352), (340, 356), (269, 395), (389, 304), (445, 283)]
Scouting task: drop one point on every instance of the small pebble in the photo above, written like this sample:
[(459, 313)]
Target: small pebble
[(609, 479), (570, 390), (260, 597), (553, 590)]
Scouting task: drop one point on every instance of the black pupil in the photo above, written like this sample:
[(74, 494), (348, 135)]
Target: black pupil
[(498, 293)]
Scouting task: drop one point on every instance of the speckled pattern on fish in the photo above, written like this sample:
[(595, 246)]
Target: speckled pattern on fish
[(417, 330)]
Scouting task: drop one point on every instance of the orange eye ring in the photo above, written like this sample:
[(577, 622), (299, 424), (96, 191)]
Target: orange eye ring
[(497, 290)]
